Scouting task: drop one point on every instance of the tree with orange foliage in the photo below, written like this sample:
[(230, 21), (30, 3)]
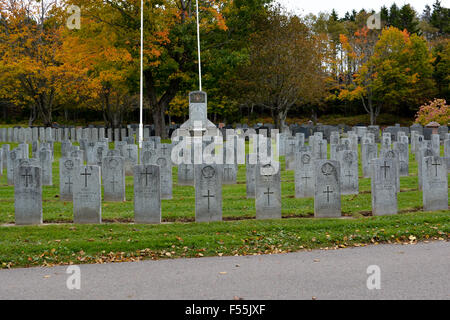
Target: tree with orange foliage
[(170, 43), (30, 73)]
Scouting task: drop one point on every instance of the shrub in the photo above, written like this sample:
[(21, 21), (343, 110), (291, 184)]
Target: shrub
[(436, 110)]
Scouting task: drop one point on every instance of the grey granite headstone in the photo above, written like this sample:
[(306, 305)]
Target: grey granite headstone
[(147, 194), (435, 184), (447, 152), (68, 167), (268, 192), (250, 175), (28, 196), (383, 184), (327, 195), (208, 192), (290, 149), (392, 154), (66, 147), (45, 157), (304, 175), (13, 155), (320, 149), (113, 177), (421, 154), (87, 196), (130, 153), (401, 149), (163, 160), (436, 144), (369, 151), (100, 151), (5, 149), (348, 161)]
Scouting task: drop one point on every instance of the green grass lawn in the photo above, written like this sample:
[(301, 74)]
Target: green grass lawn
[(118, 239)]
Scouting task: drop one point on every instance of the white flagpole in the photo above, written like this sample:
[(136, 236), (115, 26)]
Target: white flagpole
[(199, 56), (141, 102)]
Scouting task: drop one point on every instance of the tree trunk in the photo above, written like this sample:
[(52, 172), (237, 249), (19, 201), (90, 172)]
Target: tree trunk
[(32, 116), (159, 107)]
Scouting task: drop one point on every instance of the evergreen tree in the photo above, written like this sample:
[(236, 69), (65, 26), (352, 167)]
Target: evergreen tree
[(408, 19), (440, 18)]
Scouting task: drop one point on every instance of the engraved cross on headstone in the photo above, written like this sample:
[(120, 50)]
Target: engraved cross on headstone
[(209, 196), (70, 183), (26, 176), (268, 193), (113, 182), (146, 173), (385, 167), (306, 178), (328, 191), (85, 174), (436, 167)]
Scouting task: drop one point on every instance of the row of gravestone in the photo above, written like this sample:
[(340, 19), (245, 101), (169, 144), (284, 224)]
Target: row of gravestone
[(74, 134), (328, 187), (94, 133), (346, 160)]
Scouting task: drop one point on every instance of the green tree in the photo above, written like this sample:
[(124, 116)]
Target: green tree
[(440, 18), (402, 77)]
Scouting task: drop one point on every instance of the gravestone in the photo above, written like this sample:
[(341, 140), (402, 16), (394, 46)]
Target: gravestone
[(436, 144), (45, 157), (89, 151), (163, 160), (87, 196), (100, 151), (383, 184), (304, 175), (268, 192), (68, 167), (369, 151), (28, 196), (291, 148), (250, 176), (348, 161), (327, 194), (113, 177), (320, 149), (147, 194), (13, 155), (120, 145), (447, 152), (401, 149), (422, 153), (208, 192), (435, 184), (35, 148), (5, 149), (392, 154), (1, 162), (130, 153), (386, 142)]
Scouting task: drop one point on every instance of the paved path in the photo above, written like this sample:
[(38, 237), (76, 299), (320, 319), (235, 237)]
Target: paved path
[(407, 272)]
